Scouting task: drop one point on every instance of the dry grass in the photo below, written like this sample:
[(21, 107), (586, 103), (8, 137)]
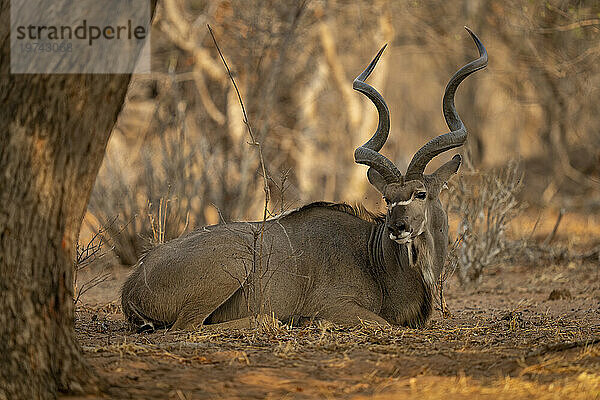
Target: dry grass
[(584, 386)]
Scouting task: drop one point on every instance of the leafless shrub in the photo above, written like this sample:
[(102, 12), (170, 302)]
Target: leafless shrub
[(111, 197), (157, 191), (87, 254), (531, 253), (159, 222), (485, 203), (143, 219), (450, 267)]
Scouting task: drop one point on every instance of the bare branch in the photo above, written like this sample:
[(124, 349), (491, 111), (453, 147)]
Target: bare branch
[(571, 26), (555, 229)]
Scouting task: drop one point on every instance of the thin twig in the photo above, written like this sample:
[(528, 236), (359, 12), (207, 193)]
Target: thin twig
[(262, 165), (552, 348), (92, 283), (571, 26), (537, 221), (553, 233), (246, 122), (86, 254)]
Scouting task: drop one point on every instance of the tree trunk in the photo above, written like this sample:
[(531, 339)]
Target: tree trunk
[(53, 134)]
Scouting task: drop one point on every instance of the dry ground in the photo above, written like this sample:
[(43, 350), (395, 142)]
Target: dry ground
[(507, 338)]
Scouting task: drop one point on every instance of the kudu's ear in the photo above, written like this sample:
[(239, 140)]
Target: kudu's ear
[(443, 173), (376, 179)]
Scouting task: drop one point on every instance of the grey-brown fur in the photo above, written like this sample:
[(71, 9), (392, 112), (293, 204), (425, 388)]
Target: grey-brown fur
[(324, 260), (173, 285)]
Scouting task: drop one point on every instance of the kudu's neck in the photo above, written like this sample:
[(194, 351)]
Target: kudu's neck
[(404, 273)]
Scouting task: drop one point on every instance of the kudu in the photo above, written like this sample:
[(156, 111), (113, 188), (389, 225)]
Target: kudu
[(324, 260)]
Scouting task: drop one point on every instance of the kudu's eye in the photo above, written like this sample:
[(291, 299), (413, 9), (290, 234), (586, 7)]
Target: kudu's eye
[(421, 195)]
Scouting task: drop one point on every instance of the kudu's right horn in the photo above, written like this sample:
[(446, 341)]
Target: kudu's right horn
[(458, 133)]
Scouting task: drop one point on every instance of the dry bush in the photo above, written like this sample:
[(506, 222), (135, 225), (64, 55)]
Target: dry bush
[(160, 207), (485, 203), (86, 255), (448, 270)]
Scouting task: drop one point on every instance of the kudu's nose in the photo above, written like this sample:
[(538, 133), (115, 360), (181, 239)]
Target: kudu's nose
[(399, 228), (402, 227)]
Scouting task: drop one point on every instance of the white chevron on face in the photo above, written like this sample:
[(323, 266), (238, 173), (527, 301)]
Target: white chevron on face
[(401, 203)]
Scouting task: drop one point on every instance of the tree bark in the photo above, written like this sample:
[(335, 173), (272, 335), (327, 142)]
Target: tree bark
[(53, 135)]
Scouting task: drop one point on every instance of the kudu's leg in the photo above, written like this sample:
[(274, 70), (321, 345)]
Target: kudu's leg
[(241, 323), (188, 321), (351, 314)]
